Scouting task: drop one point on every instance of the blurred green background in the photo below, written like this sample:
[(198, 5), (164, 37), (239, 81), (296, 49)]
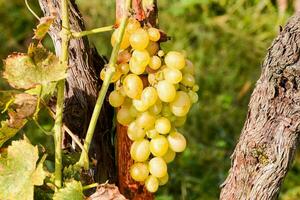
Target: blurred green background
[(227, 41)]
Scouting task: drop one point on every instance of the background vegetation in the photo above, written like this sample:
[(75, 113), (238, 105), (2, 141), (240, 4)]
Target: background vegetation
[(226, 39)]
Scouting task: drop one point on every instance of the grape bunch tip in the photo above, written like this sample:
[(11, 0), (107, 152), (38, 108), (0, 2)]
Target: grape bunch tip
[(153, 110)]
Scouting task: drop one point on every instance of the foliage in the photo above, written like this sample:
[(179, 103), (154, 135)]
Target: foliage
[(72, 190)]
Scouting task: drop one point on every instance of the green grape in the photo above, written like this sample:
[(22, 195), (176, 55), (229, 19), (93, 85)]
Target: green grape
[(159, 145), (172, 75), (151, 184), (139, 39), (139, 171), (139, 61), (133, 86), (124, 68), (166, 91), (193, 96), (152, 79), (146, 120), (175, 59), (139, 105), (195, 88), (136, 68), (132, 25), (189, 68), (188, 80), (163, 180), (156, 108), (179, 121), (123, 116), (125, 41), (154, 34), (135, 132), (140, 150), (169, 156), (177, 142), (158, 167), (166, 111), (149, 96), (133, 111), (152, 48), (127, 103), (160, 53), (181, 104), (152, 133), (155, 62), (163, 125), (115, 98)]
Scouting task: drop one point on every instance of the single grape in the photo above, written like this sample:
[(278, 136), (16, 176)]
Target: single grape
[(158, 167), (123, 116), (152, 133), (166, 91), (123, 56), (159, 145), (151, 184), (181, 104), (123, 68), (175, 59), (125, 40), (140, 150), (152, 48), (177, 142), (135, 67), (133, 111), (189, 68), (152, 79), (139, 39), (154, 34), (149, 96), (114, 78), (139, 105), (163, 125), (135, 132), (156, 108), (115, 98), (139, 171), (169, 156), (160, 53), (133, 86), (193, 96), (188, 80), (163, 180), (146, 120), (172, 75), (132, 25), (195, 88), (139, 61), (155, 62)]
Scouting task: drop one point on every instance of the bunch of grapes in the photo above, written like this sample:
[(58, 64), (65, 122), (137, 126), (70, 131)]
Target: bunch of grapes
[(153, 93)]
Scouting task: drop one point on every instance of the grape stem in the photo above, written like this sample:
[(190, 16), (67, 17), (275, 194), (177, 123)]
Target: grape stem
[(65, 36), (93, 31), (84, 160)]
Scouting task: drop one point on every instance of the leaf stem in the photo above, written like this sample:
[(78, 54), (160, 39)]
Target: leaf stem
[(84, 161), (93, 31), (90, 186), (60, 95)]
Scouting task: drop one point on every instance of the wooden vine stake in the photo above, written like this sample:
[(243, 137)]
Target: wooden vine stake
[(128, 187)]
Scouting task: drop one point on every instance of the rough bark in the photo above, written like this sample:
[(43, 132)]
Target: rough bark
[(270, 135), (128, 187), (82, 86)]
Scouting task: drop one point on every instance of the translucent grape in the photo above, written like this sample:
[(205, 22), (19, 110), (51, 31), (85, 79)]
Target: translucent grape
[(177, 142), (181, 104), (133, 86), (151, 184), (123, 116), (133, 111), (136, 68), (195, 88), (125, 40), (139, 39), (139, 61), (166, 91), (124, 68), (132, 25), (169, 156), (188, 80), (146, 120), (156, 108), (152, 133), (175, 59), (123, 56), (189, 68), (140, 150), (139, 171), (115, 98), (139, 105), (152, 79), (172, 75), (159, 145), (154, 34), (152, 48), (162, 125), (155, 62), (160, 53), (135, 132), (149, 96), (158, 167), (166, 111), (193, 96), (163, 180)]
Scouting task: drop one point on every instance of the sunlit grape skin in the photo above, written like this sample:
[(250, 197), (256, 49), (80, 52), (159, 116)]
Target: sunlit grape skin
[(172, 75), (139, 171), (132, 25), (149, 96), (133, 86), (155, 62), (146, 120), (125, 41), (181, 104), (162, 125), (159, 145), (175, 59), (166, 91), (154, 34), (123, 116), (139, 61), (116, 99), (135, 132), (139, 39), (140, 150), (163, 180), (151, 183), (177, 142), (158, 167), (169, 156)]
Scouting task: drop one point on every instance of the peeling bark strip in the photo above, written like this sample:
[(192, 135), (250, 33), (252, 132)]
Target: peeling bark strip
[(270, 135), (82, 86)]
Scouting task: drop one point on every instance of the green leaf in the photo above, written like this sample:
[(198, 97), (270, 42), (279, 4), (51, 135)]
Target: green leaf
[(18, 171), (43, 91), (71, 191), (43, 27), (38, 67)]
